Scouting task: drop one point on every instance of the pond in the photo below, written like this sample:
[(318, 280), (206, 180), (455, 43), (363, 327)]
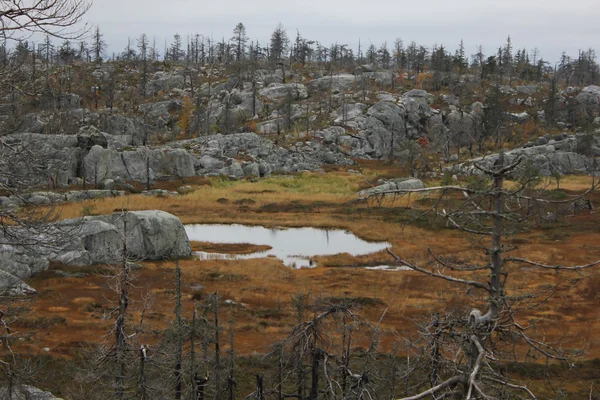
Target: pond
[(295, 247)]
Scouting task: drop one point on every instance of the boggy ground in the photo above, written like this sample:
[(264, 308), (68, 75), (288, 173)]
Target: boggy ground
[(71, 311)]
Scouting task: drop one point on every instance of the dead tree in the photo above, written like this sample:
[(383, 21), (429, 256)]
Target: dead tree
[(177, 369), (55, 18), (465, 351)]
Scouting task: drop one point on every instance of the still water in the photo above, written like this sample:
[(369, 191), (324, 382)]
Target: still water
[(295, 247)]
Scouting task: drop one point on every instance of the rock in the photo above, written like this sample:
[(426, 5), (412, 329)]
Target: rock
[(507, 90), (380, 78), (94, 241), (26, 392), (350, 111), (89, 137), (54, 155), (528, 89), (107, 184), (450, 99), (153, 235), (461, 125), (541, 141), (210, 163), (81, 195), (185, 189), (519, 117), (367, 68), (10, 285), (90, 240), (101, 164), (590, 95), (178, 162), (274, 92), (165, 82), (395, 184), (161, 109), (235, 170), (339, 82), (159, 193), (251, 169)]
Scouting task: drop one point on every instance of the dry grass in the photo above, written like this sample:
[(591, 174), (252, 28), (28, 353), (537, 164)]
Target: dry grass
[(262, 288)]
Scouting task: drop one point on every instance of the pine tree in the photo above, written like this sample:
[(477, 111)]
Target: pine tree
[(279, 43), (239, 39), (98, 45)]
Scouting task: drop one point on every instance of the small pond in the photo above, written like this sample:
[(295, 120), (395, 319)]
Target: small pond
[(294, 246)]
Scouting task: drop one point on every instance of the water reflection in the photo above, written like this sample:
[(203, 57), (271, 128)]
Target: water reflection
[(294, 246)]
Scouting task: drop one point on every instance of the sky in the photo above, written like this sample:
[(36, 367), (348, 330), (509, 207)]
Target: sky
[(552, 26)]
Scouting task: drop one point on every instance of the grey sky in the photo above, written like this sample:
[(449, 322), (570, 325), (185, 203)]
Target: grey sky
[(551, 26)]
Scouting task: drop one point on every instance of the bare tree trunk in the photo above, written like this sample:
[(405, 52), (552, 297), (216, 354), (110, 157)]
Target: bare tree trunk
[(178, 327), (259, 388), (193, 352), (142, 387), (314, 387), (217, 349), (280, 373), (120, 336), (231, 377)]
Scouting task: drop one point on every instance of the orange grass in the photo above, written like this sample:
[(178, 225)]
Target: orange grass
[(262, 288)]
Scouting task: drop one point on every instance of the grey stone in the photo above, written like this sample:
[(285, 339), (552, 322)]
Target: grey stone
[(153, 234), (339, 82), (185, 189), (280, 91), (10, 285), (89, 137), (395, 184), (26, 392), (520, 117), (527, 89), (211, 163), (165, 82), (251, 169), (107, 184), (159, 193)]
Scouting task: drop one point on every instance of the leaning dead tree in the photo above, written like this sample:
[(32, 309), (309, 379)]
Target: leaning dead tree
[(463, 353)]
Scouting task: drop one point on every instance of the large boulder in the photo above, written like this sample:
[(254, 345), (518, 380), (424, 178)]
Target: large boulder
[(152, 235), (394, 184), (295, 91), (96, 242), (338, 82), (90, 137), (244, 106), (101, 164), (165, 82), (589, 98)]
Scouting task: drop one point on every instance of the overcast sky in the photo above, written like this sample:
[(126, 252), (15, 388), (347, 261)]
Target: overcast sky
[(552, 26)]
